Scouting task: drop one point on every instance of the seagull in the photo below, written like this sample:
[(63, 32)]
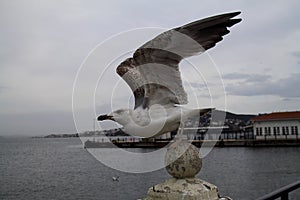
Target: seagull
[(115, 178), (153, 75)]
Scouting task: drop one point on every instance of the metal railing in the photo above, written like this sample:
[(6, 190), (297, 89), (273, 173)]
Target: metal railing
[(282, 193)]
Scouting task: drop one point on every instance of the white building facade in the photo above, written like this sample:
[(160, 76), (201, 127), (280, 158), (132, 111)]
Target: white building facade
[(279, 125)]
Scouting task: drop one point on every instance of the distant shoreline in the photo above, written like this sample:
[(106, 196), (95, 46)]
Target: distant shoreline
[(73, 135)]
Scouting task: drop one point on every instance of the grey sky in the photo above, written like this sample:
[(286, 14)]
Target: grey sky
[(43, 43)]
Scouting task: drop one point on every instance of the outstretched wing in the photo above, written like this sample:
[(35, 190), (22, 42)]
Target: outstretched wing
[(153, 72)]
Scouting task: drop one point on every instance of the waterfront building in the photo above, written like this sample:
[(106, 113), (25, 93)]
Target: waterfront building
[(277, 125)]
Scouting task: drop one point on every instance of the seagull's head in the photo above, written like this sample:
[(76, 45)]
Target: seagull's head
[(121, 116)]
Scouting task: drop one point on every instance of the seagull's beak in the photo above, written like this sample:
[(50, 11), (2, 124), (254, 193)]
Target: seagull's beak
[(105, 117)]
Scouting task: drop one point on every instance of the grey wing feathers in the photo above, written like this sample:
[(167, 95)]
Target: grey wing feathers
[(153, 72), (128, 71)]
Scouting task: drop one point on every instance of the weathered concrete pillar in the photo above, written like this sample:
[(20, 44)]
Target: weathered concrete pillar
[(183, 162)]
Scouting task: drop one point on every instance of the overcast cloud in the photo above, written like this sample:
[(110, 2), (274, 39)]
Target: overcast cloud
[(43, 43), (255, 84)]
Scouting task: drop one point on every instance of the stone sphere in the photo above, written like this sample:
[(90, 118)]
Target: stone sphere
[(183, 160)]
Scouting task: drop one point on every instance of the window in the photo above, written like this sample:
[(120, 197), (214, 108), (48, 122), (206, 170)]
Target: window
[(283, 131), (266, 131), (287, 130), (274, 130), (259, 131), (278, 130), (294, 130)]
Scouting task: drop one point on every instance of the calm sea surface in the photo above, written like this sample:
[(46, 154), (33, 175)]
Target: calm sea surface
[(62, 169)]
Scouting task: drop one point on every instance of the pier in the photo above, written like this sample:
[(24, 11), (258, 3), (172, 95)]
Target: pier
[(197, 143)]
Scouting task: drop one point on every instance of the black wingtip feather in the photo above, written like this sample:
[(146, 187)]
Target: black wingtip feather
[(225, 19), (233, 14), (233, 22)]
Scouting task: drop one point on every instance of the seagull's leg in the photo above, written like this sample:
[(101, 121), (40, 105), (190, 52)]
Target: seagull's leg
[(180, 131)]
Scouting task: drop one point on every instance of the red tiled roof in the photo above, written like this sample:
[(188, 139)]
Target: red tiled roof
[(277, 116)]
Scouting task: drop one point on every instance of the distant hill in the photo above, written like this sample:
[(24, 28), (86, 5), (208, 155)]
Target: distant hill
[(62, 135), (235, 122), (242, 117)]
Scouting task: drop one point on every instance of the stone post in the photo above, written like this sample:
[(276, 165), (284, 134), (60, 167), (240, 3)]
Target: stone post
[(183, 162)]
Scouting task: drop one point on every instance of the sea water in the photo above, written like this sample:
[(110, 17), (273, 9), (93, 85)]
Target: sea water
[(53, 168)]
